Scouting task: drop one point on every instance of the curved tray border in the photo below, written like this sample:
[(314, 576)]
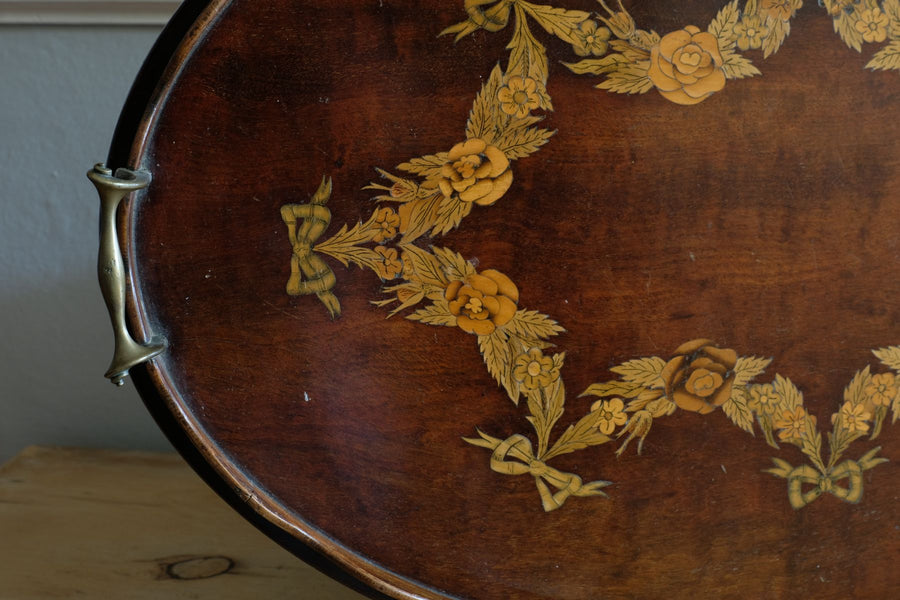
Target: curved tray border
[(139, 115)]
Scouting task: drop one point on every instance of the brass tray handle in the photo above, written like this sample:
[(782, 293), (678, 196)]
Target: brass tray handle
[(111, 268)]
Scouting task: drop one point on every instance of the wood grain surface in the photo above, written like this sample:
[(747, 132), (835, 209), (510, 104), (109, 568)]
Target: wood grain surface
[(763, 218), (134, 525)]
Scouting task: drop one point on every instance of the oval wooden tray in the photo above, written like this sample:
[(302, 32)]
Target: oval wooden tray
[(377, 253)]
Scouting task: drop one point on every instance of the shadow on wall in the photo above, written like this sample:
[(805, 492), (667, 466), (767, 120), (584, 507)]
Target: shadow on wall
[(57, 344), (63, 88)]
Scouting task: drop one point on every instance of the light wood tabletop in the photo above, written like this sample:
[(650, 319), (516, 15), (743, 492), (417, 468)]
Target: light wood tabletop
[(133, 525)]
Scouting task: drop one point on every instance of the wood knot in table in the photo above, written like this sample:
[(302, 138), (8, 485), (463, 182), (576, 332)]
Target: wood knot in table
[(188, 568)]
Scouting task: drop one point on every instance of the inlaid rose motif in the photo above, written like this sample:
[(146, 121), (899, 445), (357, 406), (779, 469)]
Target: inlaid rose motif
[(700, 376), (686, 66), (475, 171), (483, 302)]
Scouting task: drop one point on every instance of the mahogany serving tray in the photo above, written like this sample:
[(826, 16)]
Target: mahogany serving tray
[(380, 235)]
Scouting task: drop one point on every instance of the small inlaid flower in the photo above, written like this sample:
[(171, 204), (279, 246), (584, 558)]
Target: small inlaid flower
[(611, 413), (750, 31), (792, 423), (534, 370), (882, 390), (873, 25), (590, 39), (763, 399), (854, 418), (390, 265), (519, 96), (386, 224)]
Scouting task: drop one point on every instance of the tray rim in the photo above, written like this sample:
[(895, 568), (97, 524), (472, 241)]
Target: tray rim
[(149, 93)]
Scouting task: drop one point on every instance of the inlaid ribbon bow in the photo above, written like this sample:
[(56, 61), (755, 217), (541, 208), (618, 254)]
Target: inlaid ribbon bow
[(320, 278), (492, 19), (515, 456), (830, 481)]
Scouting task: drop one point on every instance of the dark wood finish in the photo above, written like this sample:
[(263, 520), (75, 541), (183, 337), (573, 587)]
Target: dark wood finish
[(764, 218)]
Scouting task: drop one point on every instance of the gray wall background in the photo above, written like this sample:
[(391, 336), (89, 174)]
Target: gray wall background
[(61, 89)]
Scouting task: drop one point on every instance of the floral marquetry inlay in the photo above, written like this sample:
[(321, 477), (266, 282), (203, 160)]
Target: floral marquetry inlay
[(431, 195)]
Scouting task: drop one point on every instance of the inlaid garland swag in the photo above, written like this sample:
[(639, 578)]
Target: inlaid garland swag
[(685, 66)]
